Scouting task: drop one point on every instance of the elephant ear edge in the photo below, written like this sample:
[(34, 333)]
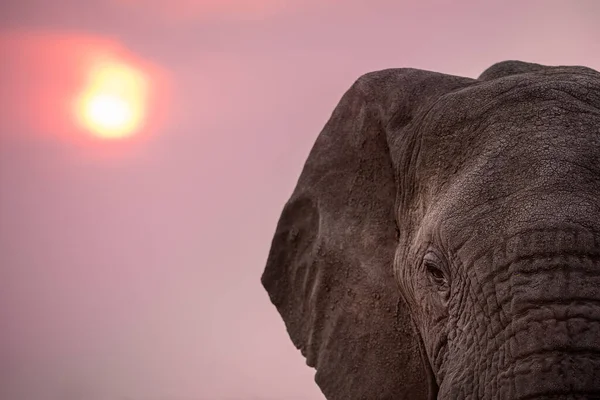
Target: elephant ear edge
[(510, 67), (330, 269)]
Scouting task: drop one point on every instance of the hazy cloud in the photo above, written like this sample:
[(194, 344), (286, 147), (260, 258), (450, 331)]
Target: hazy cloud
[(210, 9)]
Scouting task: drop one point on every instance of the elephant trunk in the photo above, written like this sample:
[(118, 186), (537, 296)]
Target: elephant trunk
[(539, 333)]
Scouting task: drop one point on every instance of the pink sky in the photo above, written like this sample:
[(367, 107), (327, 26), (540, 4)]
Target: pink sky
[(132, 270)]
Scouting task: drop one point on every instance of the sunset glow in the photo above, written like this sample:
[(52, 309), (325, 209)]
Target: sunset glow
[(113, 103)]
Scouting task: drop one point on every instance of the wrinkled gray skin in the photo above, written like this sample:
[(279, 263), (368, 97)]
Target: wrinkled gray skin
[(443, 240)]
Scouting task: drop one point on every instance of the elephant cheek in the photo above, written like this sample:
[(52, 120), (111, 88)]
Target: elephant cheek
[(537, 331)]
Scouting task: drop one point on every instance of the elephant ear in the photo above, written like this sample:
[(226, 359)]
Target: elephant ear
[(330, 268), (510, 67)]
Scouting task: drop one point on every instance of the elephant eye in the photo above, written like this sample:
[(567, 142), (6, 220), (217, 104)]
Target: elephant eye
[(435, 272)]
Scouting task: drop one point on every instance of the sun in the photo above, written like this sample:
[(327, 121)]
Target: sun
[(113, 102)]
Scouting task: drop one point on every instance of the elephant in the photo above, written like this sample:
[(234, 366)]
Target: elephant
[(443, 238)]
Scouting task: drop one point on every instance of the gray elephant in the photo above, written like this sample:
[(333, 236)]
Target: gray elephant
[(443, 240)]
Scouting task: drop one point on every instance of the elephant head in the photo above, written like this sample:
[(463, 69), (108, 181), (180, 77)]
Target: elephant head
[(443, 239)]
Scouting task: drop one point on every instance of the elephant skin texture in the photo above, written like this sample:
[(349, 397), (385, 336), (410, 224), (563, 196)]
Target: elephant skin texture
[(443, 239)]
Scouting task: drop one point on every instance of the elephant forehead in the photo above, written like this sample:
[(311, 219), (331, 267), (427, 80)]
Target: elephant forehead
[(547, 125), (479, 208), (529, 99), (525, 156)]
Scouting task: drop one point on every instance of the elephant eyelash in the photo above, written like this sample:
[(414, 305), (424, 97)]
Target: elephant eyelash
[(432, 263), (436, 273)]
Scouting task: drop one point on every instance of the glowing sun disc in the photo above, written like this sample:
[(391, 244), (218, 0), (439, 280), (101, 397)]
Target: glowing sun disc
[(112, 104)]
